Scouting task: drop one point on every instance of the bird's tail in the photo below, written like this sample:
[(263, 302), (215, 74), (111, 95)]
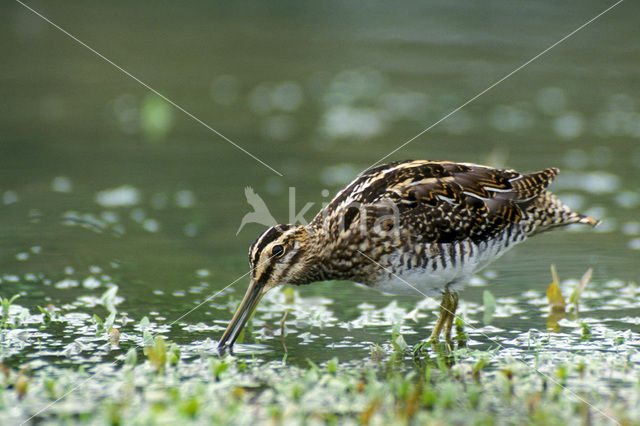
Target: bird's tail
[(549, 212), (588, 220)]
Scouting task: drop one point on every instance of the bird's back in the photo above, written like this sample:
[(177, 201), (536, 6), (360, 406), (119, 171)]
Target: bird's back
[(442, 218), (445, 201)]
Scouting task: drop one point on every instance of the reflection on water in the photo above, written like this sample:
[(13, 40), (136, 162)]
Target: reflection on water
[(104, 184)]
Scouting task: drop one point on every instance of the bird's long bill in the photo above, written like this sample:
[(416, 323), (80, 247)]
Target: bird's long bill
[(243, 313)]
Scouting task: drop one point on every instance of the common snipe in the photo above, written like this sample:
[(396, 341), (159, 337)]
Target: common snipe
[(410, 227)]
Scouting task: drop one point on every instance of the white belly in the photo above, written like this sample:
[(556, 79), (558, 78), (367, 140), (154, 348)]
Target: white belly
[(448, 266)]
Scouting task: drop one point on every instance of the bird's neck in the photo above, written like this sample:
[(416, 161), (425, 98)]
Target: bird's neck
[(316, 257)]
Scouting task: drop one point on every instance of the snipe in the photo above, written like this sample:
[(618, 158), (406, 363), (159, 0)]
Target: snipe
[(410, 227)]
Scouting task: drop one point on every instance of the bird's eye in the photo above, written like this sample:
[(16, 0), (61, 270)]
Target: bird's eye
[(277, 251)]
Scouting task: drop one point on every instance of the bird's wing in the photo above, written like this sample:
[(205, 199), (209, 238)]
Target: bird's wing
[(444, 201)]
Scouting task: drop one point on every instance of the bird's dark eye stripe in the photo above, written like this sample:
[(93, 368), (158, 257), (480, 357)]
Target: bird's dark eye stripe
[(277, 250), (268, 236)]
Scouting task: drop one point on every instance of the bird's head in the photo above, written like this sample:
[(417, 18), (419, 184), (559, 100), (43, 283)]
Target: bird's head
[(283, 254)]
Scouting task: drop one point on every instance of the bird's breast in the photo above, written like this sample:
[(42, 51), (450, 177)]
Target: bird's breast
[(427, 269)]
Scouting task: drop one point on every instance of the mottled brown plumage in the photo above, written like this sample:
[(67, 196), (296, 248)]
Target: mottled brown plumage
[(416, 227)]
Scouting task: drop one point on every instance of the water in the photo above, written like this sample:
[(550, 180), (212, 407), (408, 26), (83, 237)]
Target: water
[(102, 183)]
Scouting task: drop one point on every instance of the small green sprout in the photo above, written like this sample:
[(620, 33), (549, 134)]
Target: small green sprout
[(99, 324), (586, 331), (332, 365), (218, 366), (21, 385), (478, 367), (398, 343), (562, 374), (147, 338), (554, 294), (461, 336), (190, 407), (489, 303), (377, 353), (577, 291), (144, 323), (108, 298), (49, 314), (157, 353), (6, 306), (174, 354), (131, 358)]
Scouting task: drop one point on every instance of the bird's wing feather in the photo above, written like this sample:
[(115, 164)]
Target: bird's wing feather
[(444, 201)]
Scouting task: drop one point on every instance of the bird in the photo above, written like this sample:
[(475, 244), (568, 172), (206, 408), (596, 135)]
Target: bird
[(260, 213), (415, 227)]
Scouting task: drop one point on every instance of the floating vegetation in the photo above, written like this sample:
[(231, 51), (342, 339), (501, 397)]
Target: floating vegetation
[(558, 306), (131, 370), (465, 387)]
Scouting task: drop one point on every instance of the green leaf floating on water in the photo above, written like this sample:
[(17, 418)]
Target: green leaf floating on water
[(489, 303)]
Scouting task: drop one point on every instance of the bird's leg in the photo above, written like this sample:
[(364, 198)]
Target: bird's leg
[(452, 315), (442, 318)]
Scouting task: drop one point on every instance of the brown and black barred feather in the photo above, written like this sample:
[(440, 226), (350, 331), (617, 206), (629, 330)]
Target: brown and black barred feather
[(443, 202)]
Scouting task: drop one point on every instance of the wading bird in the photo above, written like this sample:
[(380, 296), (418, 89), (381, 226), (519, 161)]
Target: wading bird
[(411, 227)]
